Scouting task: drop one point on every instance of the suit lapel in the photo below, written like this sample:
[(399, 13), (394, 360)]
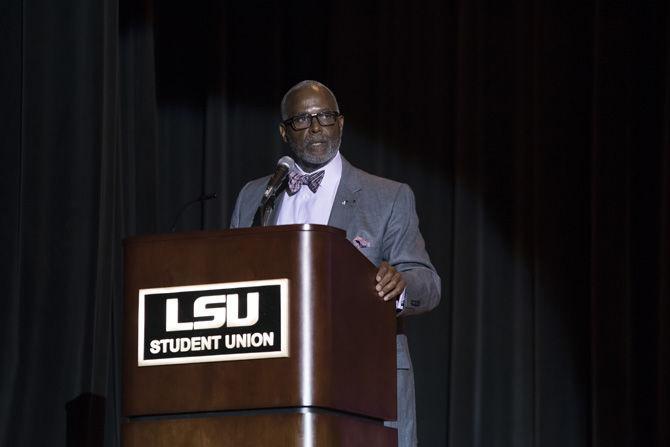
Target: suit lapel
[(344, 205)]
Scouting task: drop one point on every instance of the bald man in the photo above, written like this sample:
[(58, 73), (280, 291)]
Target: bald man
[(377, 214)]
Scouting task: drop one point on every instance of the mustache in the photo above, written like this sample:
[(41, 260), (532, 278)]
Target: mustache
[(312, 140)]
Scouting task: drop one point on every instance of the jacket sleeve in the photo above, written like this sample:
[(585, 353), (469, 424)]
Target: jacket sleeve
[(235, 218), (244, 205), (405, 249)]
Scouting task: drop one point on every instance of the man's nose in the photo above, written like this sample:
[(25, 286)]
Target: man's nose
[(314, 126)]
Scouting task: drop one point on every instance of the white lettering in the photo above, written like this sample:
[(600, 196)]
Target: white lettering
[(217, 315), (172, 317), (195, 343), (184, 344), (256, 339), (230, 341), (241, 340), (234, 319)]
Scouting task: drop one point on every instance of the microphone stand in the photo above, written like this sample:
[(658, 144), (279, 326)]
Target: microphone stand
[(201, 199), (264, 211)]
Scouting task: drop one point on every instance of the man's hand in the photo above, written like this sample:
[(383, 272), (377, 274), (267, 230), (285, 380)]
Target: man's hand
[(389, 282)]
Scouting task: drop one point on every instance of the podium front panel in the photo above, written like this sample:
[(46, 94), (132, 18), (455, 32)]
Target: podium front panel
[(341, 344)]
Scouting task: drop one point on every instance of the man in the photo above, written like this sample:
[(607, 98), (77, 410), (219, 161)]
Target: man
[(378, 215)]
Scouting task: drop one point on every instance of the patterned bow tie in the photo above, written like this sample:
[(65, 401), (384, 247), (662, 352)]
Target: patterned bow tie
[(296, 180)]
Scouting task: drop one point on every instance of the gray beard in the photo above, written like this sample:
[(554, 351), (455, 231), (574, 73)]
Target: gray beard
[(312, 161)]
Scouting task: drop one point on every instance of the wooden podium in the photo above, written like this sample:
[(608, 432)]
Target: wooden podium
[(334, 385)]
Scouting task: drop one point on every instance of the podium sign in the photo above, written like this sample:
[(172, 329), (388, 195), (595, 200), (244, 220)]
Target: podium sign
[(213, 322)]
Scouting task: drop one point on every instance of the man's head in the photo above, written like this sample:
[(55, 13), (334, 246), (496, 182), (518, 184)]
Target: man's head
[(311, 124)]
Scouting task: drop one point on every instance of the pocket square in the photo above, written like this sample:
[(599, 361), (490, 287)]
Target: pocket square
[(360, 242)]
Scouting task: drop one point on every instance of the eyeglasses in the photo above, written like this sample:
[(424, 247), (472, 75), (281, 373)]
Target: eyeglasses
[(304, 121)]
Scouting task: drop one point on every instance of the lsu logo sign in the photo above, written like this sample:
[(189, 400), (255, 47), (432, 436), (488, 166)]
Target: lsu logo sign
[(213, 322)]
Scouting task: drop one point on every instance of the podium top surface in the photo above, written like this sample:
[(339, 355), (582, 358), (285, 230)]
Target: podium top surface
[(199, 234)]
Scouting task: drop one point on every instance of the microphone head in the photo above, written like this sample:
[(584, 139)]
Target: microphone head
[(286, 161)]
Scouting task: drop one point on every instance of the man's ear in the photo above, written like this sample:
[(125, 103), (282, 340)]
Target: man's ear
[(282, 132), (340, 122)]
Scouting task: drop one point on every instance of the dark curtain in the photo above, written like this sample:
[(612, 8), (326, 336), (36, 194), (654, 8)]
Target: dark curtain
[(60, 236), (535, 134)]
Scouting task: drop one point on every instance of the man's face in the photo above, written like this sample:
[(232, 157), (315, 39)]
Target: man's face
[(316, 145)]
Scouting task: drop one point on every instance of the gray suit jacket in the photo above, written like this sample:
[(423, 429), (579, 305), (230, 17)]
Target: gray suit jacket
[(382, 213)]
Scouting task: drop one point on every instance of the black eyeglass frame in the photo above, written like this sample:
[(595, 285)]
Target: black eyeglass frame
[(334, 114)]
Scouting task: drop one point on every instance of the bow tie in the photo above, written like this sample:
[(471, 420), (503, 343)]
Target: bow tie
[(296, 180)]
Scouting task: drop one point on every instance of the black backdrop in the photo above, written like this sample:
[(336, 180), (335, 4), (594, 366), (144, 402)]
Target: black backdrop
[(534, 133)]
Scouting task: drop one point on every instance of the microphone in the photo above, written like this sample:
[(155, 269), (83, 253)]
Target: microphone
[(201, 199), (284, 165)]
